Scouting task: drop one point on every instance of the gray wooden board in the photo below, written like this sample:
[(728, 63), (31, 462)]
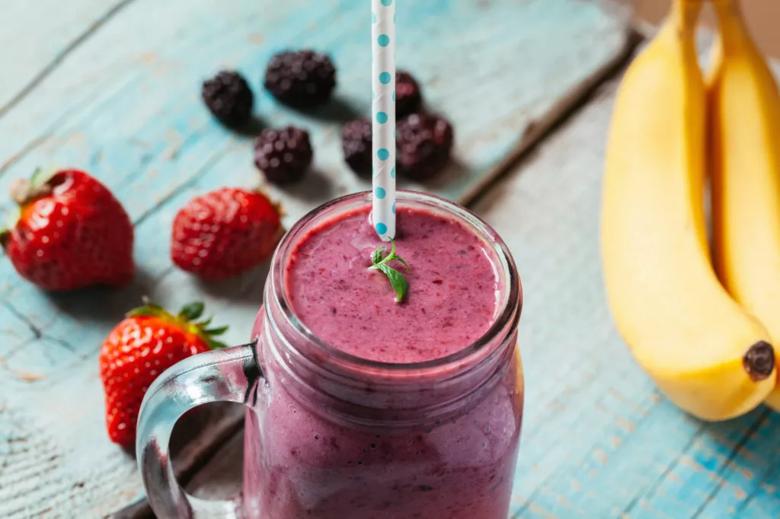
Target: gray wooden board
[(120, 99)]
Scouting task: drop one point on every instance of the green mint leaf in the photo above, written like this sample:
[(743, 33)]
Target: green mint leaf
[(403, 262), (397, 281), (376, 256)]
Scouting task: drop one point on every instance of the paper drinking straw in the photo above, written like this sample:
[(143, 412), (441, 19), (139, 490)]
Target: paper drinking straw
[(383, 117)]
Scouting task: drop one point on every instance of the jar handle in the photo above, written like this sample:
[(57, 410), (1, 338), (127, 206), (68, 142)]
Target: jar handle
[(224, 375)]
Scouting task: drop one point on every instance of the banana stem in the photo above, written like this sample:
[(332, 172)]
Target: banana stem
[(684, 14), (731, 24)]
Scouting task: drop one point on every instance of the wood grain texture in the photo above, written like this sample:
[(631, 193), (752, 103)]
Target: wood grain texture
[(599, 439), (123, 103), (42, 37)]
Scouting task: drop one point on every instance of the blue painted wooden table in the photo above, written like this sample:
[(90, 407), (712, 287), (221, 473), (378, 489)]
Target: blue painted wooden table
[(112, 86)]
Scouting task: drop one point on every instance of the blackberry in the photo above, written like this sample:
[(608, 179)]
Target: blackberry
[(300, 78), (356, 145), (283, 155), (228, 97), (423, 143), (408, 96)]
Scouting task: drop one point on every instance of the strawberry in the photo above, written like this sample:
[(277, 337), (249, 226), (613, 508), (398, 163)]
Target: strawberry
[(71, 233), (224, 232), (143, 345)]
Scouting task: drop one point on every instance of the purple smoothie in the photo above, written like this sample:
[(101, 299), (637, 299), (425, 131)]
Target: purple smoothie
[(451, 302), (301, 463)]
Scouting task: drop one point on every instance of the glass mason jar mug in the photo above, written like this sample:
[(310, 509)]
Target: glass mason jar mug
[(332, 435)]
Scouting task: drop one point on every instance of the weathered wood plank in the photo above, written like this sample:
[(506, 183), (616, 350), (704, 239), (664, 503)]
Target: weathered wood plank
[(221, 477), (44, 36), (600, 440), (124, 105)]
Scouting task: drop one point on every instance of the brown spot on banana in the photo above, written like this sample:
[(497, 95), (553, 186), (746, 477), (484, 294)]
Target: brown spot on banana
[(759, 360)]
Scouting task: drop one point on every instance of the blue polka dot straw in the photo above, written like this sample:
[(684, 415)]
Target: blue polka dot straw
[(383, 116)]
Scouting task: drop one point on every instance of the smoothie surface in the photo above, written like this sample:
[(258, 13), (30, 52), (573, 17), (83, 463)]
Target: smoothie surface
[(453, 287)]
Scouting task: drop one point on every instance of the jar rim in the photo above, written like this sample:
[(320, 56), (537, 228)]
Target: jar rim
[(508, 314)]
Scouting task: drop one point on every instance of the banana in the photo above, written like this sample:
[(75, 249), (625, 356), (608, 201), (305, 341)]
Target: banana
[(744, 107), (708, 355)]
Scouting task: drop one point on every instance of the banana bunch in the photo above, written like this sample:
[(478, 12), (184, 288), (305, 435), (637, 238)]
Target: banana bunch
[(701, 327)]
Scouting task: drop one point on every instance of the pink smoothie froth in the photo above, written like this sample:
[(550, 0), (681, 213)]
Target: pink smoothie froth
[(451, 301)]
